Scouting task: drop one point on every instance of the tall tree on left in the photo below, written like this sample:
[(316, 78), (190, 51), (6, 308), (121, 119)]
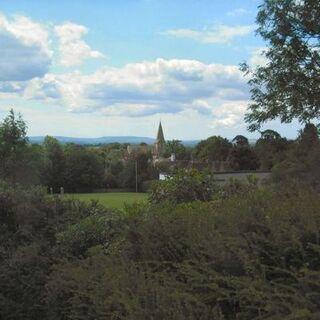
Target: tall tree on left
[(13, 144)]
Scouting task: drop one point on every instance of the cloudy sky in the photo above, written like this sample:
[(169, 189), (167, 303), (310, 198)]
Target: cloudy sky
[(100, 68)]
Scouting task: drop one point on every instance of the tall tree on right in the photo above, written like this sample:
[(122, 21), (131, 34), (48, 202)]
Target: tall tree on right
[(301, 164), (287, 87), (271, 148)]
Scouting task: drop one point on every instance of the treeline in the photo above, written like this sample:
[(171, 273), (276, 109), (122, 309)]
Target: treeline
[(75, 168), (294, 160), (78, 168)]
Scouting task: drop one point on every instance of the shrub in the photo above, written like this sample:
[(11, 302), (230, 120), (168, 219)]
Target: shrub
[(183, 186)]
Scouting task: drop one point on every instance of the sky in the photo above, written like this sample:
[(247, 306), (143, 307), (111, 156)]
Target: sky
[(117, 67)]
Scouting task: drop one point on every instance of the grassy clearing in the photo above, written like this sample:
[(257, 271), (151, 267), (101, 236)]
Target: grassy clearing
[(111, 200)]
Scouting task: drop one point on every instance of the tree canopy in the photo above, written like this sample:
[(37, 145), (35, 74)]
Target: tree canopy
[(13, 141), (212, 149), (287, 87)]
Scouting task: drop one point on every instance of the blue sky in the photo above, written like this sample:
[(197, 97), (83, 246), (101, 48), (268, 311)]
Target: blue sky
[(98, 68)]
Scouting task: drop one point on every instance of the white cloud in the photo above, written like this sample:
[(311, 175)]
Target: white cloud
[(73, 50), (149, 88), (220, 34), (229, 114), (24, 50), (131, 110), (258, 57), (175, 88)]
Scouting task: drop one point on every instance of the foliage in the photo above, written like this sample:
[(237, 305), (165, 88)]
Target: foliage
[(212, 149), (301, 163), (13, 143), (140, 162), (271, 149), (243, 257), (29, 220), (97, 229), (183, 186), (54, 164), (287, 87), (250, 253), (196, 251), (242, 156), (83, 170), (112, 200), (177, 148), (240, 140)]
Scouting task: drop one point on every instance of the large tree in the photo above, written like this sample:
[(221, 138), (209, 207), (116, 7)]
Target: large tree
[(270, 148), (13, 144), (84, 170), (213, 149), (287, 87), (242, 156), (54, 164), (301, 163)]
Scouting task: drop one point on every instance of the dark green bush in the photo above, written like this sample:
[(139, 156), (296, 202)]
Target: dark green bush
[(184, 186), (250, 253), (254, 255)]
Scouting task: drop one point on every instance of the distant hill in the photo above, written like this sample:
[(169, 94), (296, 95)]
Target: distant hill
[(111, 139), (101, 140)]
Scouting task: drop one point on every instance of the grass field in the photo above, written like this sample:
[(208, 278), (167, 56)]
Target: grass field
[(110, 200)]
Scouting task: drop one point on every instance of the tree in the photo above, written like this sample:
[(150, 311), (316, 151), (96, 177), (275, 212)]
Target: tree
[(184, 186), (270, 148), (270, 135), (213, 149), (176, 147), (13, 143), (54, 164), (240, 140), (84, 170), (301, 163), (243, 157), (309, 136), (31, 166), (140, 161), (288, 86)]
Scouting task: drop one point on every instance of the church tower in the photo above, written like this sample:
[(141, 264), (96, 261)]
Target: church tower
[(160, 143)]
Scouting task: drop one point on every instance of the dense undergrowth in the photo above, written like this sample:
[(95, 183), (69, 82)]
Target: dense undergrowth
[(249, 253)]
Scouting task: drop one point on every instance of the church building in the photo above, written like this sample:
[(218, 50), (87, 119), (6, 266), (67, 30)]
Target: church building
[(157, 149)]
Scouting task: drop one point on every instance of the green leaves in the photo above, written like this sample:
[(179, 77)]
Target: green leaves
[(13, 144), (212, 149), (288, 86), (251, 253), (183, 186)]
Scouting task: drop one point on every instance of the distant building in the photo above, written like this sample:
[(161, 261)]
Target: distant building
[(159, 145), (164, 176), (157, 150)]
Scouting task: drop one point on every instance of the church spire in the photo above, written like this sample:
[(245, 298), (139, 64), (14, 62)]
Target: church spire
[(160, 135), (160, 143)]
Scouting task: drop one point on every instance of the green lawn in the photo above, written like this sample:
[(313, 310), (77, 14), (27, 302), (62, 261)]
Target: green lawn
[(110, 200)]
